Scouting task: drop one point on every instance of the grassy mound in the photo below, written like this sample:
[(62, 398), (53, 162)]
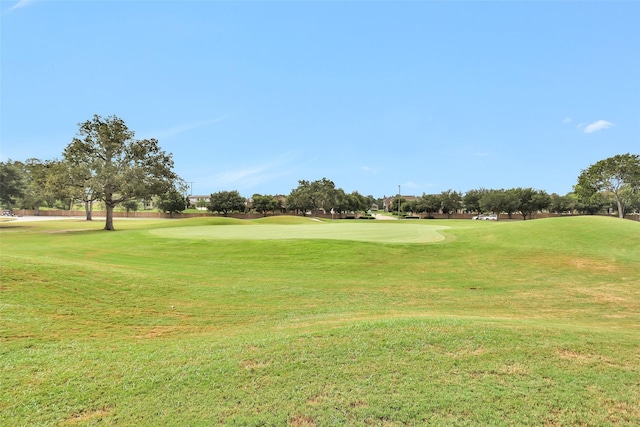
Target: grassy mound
[(534, 322)]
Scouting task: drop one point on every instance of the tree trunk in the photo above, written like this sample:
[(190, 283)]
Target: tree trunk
[(109, 222), (88, 208), (620, 207)]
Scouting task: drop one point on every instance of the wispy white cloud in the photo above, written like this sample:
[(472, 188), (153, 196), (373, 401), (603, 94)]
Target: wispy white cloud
[(567, 120), (596, 126), (20, 4), (481, 154), (369, 169), (178, 129), (248, 177)]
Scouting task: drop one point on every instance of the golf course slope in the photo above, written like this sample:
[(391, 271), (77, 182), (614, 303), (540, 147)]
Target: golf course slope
[(294, 322)]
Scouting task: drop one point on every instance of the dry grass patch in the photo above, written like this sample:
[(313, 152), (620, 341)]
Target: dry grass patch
[(603, 297), (86, 416), (591, 264), (160, 331), (622, 412), (301, 421), (318, 399), (252, 365), (584, 359)]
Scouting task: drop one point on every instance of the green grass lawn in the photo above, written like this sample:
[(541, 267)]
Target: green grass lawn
[(289, 321)]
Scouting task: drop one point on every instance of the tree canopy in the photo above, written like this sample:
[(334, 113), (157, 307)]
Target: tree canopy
[(225, 202), (530, 201), (116, 166), (497, 201), (172, 202), (450, 201), (265, 203), (618, 175), (313, 195), (13, 183)]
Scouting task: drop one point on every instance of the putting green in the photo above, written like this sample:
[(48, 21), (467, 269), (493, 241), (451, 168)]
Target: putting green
[(364, 231)]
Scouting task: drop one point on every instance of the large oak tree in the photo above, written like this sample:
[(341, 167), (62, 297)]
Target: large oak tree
[(618, 175), (119, 167), (315, 195)]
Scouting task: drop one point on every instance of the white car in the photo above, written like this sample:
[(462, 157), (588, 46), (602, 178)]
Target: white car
[(491, 217)]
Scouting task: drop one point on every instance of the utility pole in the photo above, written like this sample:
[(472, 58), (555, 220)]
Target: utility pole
[(191, 183), (399, 198)]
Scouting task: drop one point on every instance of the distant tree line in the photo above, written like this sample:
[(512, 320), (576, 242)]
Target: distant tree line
[(105, 163), (310, 197), (523, 201), (611, 185)]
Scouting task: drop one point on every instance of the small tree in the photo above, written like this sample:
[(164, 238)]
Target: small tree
[(36, 178), (590, 205), (498, 201), (410, 207), (634, 203), (80, 181), (13, 182), (429, 204), (472, 198), (396, 204), (225, 202), (172, 202), (265, 203), (341, 202), (530, 201), (356, 202), (560, 204), (130, 205), (450, 201)]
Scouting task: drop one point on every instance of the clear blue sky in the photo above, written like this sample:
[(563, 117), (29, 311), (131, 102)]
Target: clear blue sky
[(254, 96)]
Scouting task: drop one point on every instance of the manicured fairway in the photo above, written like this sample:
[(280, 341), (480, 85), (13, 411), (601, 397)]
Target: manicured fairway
[(370, 231), (293, 322)]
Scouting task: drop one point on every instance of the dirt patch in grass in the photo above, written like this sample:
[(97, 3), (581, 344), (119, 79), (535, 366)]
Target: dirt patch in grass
[(318, 399), (67, 230), (301, 421), (159, 331), (622, 412), (359, 404), (85, 416)]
